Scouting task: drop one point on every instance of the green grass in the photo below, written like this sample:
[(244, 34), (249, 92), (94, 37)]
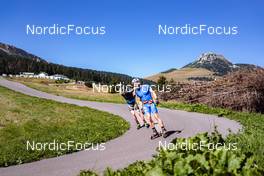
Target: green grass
[(62, 90), (89, 96), (24, 118)]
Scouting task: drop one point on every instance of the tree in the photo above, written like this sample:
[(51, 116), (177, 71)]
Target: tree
[(171, 81), (162, 80)]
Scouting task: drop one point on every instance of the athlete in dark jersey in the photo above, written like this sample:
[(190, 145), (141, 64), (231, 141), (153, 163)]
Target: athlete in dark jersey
[(130, 98)]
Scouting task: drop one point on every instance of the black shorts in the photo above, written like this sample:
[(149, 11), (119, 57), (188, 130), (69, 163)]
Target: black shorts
[(133, 107)]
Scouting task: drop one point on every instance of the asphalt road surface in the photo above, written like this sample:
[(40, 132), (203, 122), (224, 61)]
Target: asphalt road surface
[(132, 146)]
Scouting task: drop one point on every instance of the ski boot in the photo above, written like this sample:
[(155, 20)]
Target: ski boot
[(140, 126), (155, 134), (147, 125), (164, 130)]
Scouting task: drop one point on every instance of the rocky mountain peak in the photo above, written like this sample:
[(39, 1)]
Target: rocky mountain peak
[(213, 62), (211, 57)]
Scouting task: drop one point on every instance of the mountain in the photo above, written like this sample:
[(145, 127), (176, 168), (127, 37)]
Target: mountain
[(213, 62), (208, 66), (217, 63), (11, 50), (14, 60)]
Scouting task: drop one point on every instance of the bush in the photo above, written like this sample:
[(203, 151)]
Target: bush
[(88, 84), (60, 81), (240, 91)]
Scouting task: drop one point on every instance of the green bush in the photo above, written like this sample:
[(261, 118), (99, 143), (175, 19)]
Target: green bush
[(87, 173)]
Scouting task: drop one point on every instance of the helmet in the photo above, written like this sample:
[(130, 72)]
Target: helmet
[(135, 80)]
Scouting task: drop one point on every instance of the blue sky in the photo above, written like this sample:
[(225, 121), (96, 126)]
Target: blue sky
[(131, 44)]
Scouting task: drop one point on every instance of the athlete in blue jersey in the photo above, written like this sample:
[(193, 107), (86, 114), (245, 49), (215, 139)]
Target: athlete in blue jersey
[(149, 100)]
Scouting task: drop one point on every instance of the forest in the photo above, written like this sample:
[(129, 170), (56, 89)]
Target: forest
[(14, 64)]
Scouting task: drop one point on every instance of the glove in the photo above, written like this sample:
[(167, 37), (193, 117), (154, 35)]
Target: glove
[(157, 102), (142, 110)]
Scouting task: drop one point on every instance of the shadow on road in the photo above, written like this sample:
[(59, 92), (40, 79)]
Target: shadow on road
[(168, 133)]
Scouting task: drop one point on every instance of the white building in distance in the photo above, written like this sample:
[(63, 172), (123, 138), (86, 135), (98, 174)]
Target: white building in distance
[(42, 75), (60, 77)]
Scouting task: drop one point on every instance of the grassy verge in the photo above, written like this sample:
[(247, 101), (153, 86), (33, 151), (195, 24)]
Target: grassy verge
[(70, 90), (24, 118)]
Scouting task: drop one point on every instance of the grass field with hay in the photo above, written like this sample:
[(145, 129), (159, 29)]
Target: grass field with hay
[(70, 90)]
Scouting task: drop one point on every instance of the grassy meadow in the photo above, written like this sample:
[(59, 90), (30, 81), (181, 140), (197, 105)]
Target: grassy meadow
[(24, 118), (70, 90), (183, 74)]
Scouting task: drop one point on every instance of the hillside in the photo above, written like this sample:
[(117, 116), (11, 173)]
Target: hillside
[(183, 75), (11, 50), (207, 66), (169, 70), (14, 60)]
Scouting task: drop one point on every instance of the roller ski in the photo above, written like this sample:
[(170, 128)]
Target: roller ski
[(164, 132), (155, 135), (158, 132), (140, 126), (147, 125)]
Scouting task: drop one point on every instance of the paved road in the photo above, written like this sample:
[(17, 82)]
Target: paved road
[(133, 145)]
